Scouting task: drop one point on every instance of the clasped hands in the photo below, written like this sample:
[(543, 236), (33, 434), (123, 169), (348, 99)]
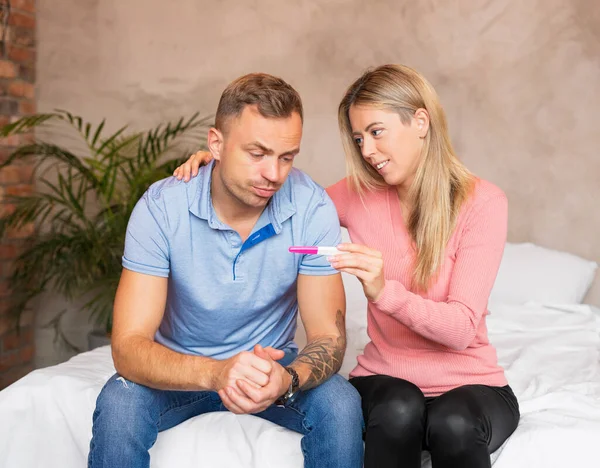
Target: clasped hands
[(251, 381)]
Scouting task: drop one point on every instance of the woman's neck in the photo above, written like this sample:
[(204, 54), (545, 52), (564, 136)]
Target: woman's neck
[(403, 192)]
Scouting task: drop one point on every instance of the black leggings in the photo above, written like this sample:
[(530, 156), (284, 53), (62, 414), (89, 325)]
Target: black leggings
[(459, 428)]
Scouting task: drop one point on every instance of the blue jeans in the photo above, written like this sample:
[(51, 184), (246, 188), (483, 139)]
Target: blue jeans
[(129, 416)]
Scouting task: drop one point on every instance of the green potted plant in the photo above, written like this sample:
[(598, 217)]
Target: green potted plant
[(83, 203)]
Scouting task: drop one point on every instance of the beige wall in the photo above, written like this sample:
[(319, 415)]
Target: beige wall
[(520, 81)]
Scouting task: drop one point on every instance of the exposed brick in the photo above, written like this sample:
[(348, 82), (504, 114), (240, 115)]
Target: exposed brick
[(21, 89), (27, 107), (6, 208), (9, 107), (22, 19), (22, 36), (24, 5), (21, 54), (8, 251), (26, 231), (4, 288), (6, 323), (27, 72), (6, 269), (16, 339), (7, 69), (17, 98), (18, 190), (10, 175), (5, 153), (8, 360), (26, 353), (12, 140)]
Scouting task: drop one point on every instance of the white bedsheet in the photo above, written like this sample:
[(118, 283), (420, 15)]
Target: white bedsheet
[(551, 355)]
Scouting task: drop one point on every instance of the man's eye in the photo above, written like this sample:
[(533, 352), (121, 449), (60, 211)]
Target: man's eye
[(256, 155)]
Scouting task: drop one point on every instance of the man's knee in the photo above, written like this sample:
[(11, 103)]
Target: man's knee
[(336, 402), (122, 405)]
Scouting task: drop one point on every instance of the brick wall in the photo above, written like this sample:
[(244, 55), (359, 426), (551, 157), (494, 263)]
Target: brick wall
[(17, 98)]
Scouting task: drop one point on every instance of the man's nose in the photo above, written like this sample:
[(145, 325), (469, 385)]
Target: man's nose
[(271, 170)]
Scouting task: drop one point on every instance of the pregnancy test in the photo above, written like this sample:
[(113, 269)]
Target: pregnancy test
[(312, 250)]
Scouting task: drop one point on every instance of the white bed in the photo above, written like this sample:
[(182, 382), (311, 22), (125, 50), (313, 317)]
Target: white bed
[(550, 353)]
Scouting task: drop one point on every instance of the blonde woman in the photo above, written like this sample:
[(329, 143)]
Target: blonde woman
[(427, 237)]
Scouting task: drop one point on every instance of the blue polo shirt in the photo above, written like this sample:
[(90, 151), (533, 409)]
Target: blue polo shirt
[(225, 296)]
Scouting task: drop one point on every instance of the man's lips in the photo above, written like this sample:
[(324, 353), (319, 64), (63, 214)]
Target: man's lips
[(264, 192)]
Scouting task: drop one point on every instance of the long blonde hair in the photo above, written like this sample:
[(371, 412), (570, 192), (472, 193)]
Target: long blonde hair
[(441, 183)]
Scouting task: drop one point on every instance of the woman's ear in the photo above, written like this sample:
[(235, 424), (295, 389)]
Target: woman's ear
[(214, 142), (421, 118)]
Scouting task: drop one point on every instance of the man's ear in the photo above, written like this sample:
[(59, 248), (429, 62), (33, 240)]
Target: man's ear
[(215, 143)]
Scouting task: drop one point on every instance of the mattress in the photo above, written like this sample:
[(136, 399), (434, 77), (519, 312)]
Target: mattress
[(550, 353)]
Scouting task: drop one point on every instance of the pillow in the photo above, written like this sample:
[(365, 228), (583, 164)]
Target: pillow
[(529, 272)]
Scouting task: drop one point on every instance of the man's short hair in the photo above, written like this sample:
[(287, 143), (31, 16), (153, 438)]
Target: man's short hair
[(272, 96)]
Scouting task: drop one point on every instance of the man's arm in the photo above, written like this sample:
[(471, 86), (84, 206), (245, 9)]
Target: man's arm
[(322, 305), (138, 310)]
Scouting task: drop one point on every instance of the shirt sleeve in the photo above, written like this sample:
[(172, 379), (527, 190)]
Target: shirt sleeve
[(338, 192), (454, 323), (322, 228), (146, 244)]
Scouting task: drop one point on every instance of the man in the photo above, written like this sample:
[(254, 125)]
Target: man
[(205, 312)]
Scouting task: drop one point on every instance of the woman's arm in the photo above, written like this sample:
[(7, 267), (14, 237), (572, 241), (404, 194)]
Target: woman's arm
[(454, 322)]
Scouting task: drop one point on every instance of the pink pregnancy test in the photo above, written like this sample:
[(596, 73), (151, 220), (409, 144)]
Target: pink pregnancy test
[(312, 250)]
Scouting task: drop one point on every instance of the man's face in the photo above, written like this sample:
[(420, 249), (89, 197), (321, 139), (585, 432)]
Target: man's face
[(256, 156)]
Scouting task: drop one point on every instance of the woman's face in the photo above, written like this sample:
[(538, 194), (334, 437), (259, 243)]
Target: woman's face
[(392, 148)]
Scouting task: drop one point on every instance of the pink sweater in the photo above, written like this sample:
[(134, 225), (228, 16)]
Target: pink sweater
[(437, 340)]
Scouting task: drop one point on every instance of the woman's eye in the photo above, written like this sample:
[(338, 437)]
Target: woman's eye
[(358, 141), (376, 132)]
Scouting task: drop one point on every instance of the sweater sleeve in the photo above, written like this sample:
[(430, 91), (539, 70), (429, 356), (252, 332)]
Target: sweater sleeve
[(340, 195), (454, 323)]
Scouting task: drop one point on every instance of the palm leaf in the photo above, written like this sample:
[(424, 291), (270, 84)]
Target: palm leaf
[(82, 211)]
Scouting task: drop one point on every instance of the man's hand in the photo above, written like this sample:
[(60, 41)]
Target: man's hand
[(247, 398), (244, 367)]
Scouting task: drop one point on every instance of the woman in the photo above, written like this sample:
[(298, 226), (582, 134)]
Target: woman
[(429, 377)]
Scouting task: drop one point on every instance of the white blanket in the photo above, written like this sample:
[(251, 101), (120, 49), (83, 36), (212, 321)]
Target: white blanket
[(551, 355)]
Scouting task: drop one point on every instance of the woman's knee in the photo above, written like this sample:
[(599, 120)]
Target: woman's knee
[(454, 428), (396, 407)]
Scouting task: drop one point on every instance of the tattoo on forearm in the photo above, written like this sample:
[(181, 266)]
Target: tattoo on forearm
[(324, 355)]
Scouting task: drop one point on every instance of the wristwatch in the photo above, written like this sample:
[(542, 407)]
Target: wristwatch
[(292, 391)]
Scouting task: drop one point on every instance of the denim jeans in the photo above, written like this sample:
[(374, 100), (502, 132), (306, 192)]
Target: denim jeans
[(129, 416)]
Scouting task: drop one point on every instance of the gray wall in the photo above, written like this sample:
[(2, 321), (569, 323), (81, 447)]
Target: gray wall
[(520, 82)]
